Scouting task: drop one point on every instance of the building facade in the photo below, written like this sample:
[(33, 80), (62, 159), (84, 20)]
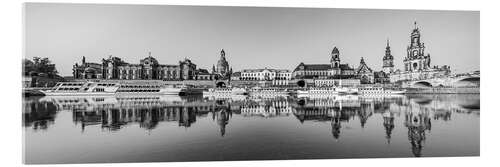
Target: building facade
[(203, 74), (275, 76), (265, 74), (364, 73), (334, 70), (87, 70), (147, 69), (417, 65)]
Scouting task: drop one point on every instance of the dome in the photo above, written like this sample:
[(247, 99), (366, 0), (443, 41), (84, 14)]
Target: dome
[(149, 61), (222, 64)]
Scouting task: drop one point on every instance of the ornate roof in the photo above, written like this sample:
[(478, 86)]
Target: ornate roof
[(415, 30), (320, 67), (236, 74), (363, 67), (388, 54), (335, 50), (345, 67), (149, 60), (313, 67), (203, 71)]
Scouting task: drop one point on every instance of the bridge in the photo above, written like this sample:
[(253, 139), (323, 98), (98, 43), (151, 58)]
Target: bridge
[(455, 81)]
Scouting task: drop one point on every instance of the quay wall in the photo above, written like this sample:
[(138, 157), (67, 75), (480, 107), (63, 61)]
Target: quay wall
[(473, 90)]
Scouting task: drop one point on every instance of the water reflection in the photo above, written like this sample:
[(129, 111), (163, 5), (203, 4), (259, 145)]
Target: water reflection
[(417, 112)]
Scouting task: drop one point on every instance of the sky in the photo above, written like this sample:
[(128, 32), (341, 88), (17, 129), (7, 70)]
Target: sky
[(252, 37)]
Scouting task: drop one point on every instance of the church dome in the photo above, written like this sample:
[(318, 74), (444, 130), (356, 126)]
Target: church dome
[(222, 64)]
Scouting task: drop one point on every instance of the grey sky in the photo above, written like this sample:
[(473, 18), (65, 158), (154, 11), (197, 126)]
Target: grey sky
[(252, 37)]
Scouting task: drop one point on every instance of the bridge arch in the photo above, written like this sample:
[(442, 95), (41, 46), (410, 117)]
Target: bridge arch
[(468, 82), (220, 84), (422, 84), (301, 83)]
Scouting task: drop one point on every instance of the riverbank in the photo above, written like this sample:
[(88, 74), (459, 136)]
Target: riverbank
[(32, 92)]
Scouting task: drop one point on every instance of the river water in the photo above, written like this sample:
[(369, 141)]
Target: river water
[(193, 128)]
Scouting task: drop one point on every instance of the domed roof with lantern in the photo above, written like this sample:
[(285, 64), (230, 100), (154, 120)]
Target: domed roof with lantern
[(149, 60)]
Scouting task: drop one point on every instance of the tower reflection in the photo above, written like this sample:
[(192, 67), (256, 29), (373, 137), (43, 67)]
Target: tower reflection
[(417, 113)]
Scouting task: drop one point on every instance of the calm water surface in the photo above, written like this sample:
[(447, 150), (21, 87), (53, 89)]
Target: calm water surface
[(172, 128)]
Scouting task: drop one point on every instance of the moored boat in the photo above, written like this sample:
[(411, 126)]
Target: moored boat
[(111, 88), (327, 91), (379, 91), (268, 92), (229, 91)]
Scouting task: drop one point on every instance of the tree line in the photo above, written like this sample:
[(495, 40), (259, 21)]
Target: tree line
[(41, 67)]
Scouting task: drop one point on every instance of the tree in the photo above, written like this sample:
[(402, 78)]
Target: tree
[(39, 66), (28, 66)]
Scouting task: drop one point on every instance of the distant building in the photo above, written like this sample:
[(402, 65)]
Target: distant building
[(381, 77), (334, 70), (147, 69), (265, 74), (276, 76), (203, 74), (223, 70), (87, 70), (417, 65), (235, 76), (364, 73)]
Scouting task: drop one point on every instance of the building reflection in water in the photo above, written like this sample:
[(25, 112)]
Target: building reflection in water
[(417, 123), (222, 117), (388, 125), (115, 113), (38, 115)]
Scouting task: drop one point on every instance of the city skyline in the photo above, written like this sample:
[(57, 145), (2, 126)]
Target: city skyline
[(246, 34)]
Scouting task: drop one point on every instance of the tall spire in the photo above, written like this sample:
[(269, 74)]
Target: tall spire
[(335, 50), (415, 23), (222, 53), (149, 53), (387, 43)]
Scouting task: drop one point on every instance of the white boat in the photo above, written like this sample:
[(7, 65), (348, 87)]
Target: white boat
[(347, 90), (111, 88), (379, 91), (327, 91), (268, 92)]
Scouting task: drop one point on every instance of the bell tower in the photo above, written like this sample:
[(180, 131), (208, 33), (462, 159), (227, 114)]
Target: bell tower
[(388, 60), (335, 61), (335, 58), (415, 59)]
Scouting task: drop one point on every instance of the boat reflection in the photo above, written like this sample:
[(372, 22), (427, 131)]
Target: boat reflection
[(116, 113)]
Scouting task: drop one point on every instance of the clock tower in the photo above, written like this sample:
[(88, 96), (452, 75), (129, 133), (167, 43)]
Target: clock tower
[(388, 60)]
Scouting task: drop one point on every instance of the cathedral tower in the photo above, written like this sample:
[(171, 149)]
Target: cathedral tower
[(388, 60), (415, 59), (335, 58), (335, 61)]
